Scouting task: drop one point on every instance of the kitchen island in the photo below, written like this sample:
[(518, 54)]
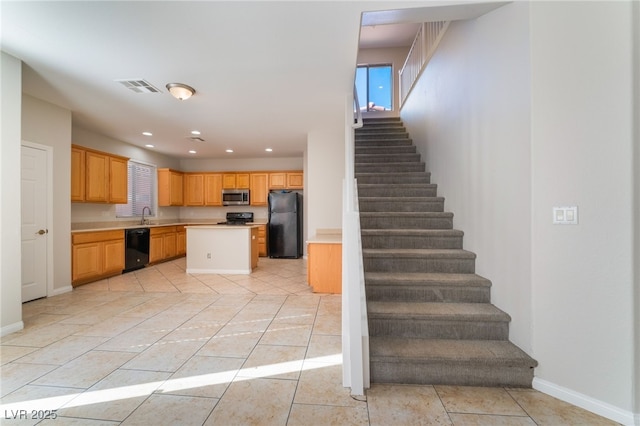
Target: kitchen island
[(222, 249)]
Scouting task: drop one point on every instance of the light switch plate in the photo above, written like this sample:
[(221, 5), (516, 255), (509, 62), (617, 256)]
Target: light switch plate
[(565, 215)]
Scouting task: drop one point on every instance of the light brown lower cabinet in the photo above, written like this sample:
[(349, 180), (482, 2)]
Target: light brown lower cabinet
[(166, 242), (181, 240), (324, 267), (96, 255), (262, 240), (254, 248)]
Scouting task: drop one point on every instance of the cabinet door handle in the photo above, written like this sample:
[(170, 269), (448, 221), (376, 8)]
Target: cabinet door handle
[(42, 232)]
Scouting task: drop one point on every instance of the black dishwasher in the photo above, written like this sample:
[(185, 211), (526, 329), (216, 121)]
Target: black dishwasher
[(136, 252)]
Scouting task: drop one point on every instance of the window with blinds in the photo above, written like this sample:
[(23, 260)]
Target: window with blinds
[(142, 185)]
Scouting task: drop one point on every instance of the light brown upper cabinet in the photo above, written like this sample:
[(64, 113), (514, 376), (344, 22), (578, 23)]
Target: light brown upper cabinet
[(118, 180), (98, 177), (213, 189), (235, 181), (170, 187), (295, 180), (259, 189), (286, 180), (202, 189), (77, 173), (194, 189)]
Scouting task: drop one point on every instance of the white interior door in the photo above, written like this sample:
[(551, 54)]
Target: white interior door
[(35, 232)]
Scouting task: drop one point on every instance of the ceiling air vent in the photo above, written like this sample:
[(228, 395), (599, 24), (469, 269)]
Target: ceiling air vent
[(139, 86), (196, 138)]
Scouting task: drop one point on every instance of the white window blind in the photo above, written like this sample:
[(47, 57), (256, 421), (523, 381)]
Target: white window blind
[(142, 184)]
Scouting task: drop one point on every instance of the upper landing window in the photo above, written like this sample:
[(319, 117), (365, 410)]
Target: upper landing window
[(375, 87)]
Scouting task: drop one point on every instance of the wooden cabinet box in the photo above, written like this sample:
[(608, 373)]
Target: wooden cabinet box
[(166, 242), (98, 177), (77, 173), (286, 180), (170, 187), (181, 240), (213, 189), (235, 181), (259, 189), (262, 240), (118, 180), (194, 189), (254, 248), (295, 180), (324, 267), (202, 189), (96, 255)]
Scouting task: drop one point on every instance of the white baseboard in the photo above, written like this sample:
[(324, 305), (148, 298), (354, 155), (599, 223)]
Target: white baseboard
[(591, 404), (11, 328), (61, 290)]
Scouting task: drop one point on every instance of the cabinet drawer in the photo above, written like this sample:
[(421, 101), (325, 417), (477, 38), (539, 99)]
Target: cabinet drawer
[(93, 237), (163, 230)]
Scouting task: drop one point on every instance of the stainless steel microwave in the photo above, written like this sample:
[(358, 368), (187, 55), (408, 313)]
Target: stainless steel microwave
[(235, 197)]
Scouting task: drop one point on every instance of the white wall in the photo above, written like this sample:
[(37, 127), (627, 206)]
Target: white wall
[(469, 117), (50, 125), (10, 132), (245, 164), (324, 175), (582, 146), (523, 109)]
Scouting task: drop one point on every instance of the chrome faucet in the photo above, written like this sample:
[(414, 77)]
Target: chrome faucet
[(142, 222)]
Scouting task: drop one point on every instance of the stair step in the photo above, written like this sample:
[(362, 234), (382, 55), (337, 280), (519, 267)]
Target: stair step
[(399, 167), (383, 125), (427, 287), (385, 149), (395, 128), (449, 362), (373, 120), (412, 238), (401, 204), (380, 135), (394, 178), (398, 190), (406, 220), (386, 158), (419, 260), (478, 321), (382, 143)]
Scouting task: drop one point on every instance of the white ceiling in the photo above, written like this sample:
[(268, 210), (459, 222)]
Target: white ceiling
[(265, 73)]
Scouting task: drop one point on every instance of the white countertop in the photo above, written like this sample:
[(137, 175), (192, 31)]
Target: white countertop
[(219, 226), (326, 236), (111, 226)]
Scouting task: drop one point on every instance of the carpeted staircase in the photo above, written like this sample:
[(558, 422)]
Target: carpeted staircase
[(430, 316)]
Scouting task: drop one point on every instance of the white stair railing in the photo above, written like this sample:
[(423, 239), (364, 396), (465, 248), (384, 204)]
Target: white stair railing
[(422, 49), (355, 330)]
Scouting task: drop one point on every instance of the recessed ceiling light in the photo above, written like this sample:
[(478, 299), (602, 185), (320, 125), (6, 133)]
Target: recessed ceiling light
[(147, 133), (149, 145), (191, 151), (268, 149), (228, 150), (195, 132)]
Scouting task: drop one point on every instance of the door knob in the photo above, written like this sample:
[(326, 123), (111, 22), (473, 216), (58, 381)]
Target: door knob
[(42, 232)]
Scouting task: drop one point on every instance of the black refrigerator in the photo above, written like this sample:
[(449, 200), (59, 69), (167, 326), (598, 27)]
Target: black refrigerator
[(285, 225)]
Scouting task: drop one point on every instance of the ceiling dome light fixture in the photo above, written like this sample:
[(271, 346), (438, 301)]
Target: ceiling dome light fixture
[(180, 91)]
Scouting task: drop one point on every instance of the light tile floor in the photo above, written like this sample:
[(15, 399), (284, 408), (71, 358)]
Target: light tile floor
[(162, 347)]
